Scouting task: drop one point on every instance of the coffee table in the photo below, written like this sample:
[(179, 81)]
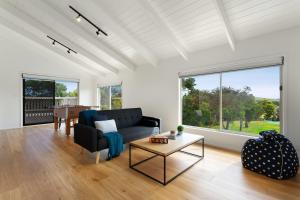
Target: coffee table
[(165, 150)]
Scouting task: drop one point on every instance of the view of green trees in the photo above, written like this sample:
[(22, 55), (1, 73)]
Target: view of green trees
[(61, 90), (111, 97), (104, 98), (116, 97), (242, 112), (38, 88)]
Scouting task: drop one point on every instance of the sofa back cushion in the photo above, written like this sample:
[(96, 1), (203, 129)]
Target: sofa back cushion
[(124, 117), (98, 117)]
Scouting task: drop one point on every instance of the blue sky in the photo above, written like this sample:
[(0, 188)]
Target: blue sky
[(71, 86), (264, 82)]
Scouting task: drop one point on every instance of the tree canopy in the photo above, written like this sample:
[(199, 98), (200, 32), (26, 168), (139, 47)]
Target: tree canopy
[(61, 91)]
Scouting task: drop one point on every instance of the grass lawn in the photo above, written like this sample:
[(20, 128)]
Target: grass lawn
[(256, 126)]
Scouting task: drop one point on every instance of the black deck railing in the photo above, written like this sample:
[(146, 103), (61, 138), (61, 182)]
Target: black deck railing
[(39, 110)]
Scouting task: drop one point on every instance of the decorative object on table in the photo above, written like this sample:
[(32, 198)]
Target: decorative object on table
[(180, 129), (271, 154), (159, 139), (172, 135)]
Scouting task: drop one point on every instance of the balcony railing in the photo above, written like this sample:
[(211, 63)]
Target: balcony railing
[(39, 110), (61, 101)]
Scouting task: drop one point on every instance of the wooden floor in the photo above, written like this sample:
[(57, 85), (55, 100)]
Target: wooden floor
[(38, 163)]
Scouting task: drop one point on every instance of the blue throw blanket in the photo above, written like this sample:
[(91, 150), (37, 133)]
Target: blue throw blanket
[(115, 144)]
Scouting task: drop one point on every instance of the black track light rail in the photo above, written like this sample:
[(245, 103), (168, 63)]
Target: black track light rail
[(55, 41), (86, 19)]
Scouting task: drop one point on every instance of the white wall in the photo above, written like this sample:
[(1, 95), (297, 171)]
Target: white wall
[(156, 89), (19, 55)]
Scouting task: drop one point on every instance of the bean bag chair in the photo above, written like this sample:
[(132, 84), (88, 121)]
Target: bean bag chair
[(271, 154)]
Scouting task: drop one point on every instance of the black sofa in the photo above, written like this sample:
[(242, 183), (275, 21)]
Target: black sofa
[(131, 124)]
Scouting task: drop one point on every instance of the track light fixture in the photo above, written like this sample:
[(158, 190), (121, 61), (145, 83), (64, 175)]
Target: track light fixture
[(78, 18), (55, 41)]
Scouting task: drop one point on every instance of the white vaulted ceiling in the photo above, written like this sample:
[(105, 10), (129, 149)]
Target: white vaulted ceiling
[(145, 32)]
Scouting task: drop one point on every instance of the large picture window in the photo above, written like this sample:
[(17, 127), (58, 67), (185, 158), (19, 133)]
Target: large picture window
[(110, 97), (242, 101)]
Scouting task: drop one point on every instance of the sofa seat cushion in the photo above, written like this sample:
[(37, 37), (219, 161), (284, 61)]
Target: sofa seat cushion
[(98, 117), (137, 132)]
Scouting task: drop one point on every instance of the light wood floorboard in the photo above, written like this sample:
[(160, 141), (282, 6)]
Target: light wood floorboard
[(38, 163)]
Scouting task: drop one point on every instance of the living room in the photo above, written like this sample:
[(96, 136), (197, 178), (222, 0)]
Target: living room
[(225, 70)]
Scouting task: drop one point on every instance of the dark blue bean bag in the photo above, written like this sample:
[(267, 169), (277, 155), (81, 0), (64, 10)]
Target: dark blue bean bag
[(271, 154)]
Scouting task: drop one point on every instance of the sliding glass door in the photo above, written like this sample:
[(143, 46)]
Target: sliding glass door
[(38, 101), (41, 95)]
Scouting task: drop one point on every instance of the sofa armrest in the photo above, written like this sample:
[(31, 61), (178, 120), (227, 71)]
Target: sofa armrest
[(151, 122), (87, 137)]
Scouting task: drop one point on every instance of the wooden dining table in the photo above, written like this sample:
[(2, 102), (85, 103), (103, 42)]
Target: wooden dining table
[(69, 114)]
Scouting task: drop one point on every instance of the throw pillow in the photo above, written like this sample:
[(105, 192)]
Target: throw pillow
[(106, 126)]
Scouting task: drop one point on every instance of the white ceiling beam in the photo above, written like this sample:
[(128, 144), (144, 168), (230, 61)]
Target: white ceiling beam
[(106, 15), (226, 23), (73, 27), (48, 31), (70, 57), (164, 28)]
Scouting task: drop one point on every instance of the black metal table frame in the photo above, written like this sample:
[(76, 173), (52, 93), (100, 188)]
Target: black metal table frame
[(165, 181)]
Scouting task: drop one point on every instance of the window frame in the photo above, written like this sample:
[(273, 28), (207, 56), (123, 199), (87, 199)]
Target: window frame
[(282, 84)]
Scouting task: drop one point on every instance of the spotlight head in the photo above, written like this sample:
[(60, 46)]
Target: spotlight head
[(53, 42), (78, 18), (98, 33), (69, 51)]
